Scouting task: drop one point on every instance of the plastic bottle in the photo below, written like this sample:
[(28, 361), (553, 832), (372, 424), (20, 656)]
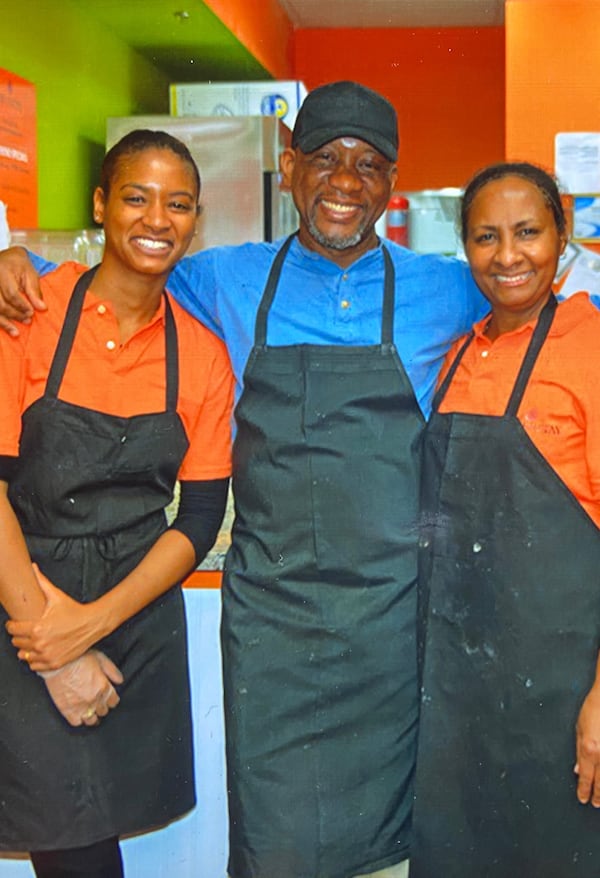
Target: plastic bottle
[(397, 220)]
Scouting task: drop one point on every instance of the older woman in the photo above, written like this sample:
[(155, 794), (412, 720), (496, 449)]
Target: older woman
[(510, 573), (105, 404)]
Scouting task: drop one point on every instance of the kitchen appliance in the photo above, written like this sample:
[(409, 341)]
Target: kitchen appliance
[(271, 98)]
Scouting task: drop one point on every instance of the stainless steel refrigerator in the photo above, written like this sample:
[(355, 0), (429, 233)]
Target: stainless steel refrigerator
[(238, 159)]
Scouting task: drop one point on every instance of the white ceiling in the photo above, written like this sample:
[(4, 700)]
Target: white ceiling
[(394, 13)]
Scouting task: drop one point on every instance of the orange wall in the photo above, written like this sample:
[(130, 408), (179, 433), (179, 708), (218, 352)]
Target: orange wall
[(553, 74), (447, 86), (263, 28)]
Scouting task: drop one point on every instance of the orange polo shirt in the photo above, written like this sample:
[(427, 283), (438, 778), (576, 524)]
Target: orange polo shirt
[(560, 409), (122, 380)]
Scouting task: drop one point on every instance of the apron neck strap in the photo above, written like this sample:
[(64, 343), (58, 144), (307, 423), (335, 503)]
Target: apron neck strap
[(67, 336), (260, 329), (171, 357), (535, 345), (441, 391), (389, 298), (389, 293)]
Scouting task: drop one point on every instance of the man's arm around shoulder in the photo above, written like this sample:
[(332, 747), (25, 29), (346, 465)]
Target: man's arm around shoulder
[(20, 293)]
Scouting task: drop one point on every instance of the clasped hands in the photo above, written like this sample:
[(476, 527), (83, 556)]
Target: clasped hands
[(80, 680)]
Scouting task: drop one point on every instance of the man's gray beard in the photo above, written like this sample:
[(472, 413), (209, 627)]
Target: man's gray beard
[(335, 243)]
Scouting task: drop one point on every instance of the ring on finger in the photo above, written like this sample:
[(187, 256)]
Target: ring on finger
[(90, 712)]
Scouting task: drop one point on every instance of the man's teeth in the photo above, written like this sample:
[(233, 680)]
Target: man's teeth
[(152, 244), (339, 208)]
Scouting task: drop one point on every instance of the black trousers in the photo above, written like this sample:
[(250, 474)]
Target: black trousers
[(100, 860)]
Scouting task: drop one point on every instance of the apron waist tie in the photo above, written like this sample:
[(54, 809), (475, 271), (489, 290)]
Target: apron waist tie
[(62, 548), (106, 546)]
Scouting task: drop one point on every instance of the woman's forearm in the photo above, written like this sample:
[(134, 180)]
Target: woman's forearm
[(173, 556), (67, 629), (20, 594), (169, 560)]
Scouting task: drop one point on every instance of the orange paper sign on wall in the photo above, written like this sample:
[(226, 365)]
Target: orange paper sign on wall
[(18, 151)]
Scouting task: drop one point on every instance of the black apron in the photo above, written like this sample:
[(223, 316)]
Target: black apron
[(319, 607), (89, 493), (510, 612)]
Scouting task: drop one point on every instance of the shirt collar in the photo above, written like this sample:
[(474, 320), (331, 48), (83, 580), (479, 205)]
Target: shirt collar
[(323, 264), (569, 313), (92, 302)]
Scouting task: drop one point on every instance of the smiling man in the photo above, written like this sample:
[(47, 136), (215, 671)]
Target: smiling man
[(336, 339)]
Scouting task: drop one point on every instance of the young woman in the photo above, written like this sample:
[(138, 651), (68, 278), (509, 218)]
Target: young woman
[(109, 400), (510, 581)]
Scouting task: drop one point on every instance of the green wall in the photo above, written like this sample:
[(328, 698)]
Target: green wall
[(82, 73)]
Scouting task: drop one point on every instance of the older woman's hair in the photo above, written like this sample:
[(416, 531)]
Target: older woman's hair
[(541, 179), (139, 141)]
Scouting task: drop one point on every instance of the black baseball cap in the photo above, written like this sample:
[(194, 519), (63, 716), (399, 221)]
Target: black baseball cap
[(346, 109)]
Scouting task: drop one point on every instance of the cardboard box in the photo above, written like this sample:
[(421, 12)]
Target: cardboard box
[(274, 98)]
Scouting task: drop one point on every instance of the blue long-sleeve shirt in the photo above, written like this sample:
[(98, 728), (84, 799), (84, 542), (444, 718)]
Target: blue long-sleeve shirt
[(317, 302)]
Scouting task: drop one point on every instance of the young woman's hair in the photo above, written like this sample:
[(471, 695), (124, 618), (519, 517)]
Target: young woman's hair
[(541, 179), (138, 141)]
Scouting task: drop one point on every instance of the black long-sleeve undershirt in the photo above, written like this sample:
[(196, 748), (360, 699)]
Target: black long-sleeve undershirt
[(200, 514)]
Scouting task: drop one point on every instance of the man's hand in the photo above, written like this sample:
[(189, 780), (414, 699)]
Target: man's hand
[(83, 690), (19, 289)]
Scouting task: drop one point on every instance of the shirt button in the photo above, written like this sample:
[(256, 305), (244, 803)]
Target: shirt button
[(101, 309), (344, 277), (345, 303), (111, 345), (485, 353)]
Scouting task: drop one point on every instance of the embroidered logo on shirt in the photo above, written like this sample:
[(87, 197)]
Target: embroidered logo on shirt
[(532, 423)]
